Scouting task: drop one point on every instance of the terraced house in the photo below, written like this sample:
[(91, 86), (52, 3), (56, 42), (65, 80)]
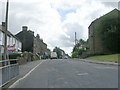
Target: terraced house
[(14, 45), (31, 43)]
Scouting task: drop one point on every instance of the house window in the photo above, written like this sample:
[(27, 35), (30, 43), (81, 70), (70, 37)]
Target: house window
[(0, 36), (1, 49)]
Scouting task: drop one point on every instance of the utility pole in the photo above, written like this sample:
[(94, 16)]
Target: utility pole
[(75, 38), (6, 25)]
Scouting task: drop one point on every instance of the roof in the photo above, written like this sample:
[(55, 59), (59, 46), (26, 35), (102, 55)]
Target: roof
[(113, 11), (3, 30), (8, 33), (14, 36)]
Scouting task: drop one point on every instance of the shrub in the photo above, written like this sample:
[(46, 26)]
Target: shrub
[(14, 55)]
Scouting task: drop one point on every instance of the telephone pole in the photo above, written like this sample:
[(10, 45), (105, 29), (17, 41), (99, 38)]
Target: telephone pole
[(6, 27), (75, 39)]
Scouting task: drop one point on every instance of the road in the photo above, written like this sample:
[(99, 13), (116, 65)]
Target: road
[(70, 74)]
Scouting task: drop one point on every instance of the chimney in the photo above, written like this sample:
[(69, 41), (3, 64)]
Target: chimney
[(24, 28), (38, 36), (42, 40), (3, 24)]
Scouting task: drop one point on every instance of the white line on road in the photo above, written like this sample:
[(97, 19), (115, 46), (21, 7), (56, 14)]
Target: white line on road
[(81, 74), (106, 67), (13, 85)]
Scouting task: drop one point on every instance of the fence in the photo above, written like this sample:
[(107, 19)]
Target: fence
[(9, 69)]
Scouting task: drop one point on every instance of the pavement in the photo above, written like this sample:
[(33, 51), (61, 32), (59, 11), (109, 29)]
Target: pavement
[(67, 73), (24, 69)]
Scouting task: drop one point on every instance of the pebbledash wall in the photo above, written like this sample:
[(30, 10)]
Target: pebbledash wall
[(13, 43)]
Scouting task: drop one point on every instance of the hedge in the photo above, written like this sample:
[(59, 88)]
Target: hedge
[(12, 56)]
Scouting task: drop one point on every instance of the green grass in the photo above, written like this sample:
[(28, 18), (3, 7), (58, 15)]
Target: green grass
[(110, 58)]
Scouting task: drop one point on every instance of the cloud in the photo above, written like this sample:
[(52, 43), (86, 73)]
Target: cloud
[(0, 12), (56, 20), (111, 4)]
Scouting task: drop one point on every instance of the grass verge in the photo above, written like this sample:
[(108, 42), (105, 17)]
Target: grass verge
[(109, 58)]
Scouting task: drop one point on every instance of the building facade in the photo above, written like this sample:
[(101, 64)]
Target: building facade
[(30, 43), (26, 37), (14, 45), (95, 41), (40, 47)]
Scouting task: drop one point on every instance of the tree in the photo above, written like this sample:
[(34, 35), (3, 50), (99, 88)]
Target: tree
[(77, 52), (78, 49), (58, 51)]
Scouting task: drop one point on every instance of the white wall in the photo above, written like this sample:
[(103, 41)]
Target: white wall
[(1, 49), (1, 42), (10, 41), (1, 38), (18, 45)]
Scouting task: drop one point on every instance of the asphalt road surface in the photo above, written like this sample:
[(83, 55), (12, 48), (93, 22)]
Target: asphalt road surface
[(70, 74)]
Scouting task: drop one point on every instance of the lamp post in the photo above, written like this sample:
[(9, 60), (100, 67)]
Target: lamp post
[(6, 25)]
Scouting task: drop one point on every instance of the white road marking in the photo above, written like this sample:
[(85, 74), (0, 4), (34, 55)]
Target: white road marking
[(105, 67), (81, 74), (14, 84)]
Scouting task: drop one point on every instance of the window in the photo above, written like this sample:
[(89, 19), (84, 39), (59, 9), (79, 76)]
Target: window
[(0, 36)]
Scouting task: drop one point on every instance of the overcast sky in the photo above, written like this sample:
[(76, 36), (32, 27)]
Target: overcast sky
[(56, 21)]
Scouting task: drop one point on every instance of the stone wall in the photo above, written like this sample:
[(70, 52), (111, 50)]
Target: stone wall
[(95, 35), (96, 45), (25, 57)]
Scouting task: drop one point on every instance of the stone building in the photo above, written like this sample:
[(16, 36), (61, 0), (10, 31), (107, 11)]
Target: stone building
[(96, 45), (39, 47), (95, 42), (30, 43), (27, 38)]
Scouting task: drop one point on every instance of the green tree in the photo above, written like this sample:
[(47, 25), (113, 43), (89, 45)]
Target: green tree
[(77, 49), (77, 53), (58, 51)]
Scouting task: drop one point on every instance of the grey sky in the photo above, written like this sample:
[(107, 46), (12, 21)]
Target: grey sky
[(56, 20)]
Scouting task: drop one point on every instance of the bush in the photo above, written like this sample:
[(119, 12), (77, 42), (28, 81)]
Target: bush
[(1, 56), (11, 56), (14, 55)]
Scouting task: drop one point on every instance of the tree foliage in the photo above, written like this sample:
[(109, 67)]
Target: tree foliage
[(58, 51), (77, 49), (110, 31)]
